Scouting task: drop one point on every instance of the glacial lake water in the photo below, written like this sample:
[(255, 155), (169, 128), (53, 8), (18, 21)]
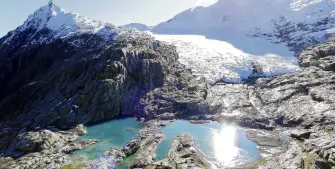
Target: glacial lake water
[(112, 134), (223, 145)]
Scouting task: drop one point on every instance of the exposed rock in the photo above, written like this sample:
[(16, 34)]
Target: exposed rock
[(132, 147), (146, 154), (116, 154), (6, 136), (142, 148), (289, 159), (50, 158), (152, 126), (43, 148), (184, 154), (310, 162), (264, 138), (300, 134)]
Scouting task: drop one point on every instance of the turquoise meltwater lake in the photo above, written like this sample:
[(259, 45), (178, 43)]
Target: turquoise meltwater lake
[(112, 134), (223, 145)]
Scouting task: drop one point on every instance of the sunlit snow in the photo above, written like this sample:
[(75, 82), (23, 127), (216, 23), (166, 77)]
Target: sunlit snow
[(219, 60), (295, 23), (247, 34), (64, 24)]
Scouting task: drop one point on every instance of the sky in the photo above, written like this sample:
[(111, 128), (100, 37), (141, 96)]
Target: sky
[(119, 12)]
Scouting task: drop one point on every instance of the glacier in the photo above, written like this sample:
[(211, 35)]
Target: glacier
[(294, 23), (226, 40), (221, 61)]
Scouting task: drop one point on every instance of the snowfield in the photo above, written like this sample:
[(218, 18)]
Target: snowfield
[(249, 37), (220, 61), (294, 23)]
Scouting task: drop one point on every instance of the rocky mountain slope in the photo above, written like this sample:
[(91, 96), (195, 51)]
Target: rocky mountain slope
[(77, 72), (22, 57)]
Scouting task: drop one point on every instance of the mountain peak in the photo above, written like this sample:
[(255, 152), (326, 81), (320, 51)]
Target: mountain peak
[(50, 22), (51, 3), (62, 22), (41, 16)]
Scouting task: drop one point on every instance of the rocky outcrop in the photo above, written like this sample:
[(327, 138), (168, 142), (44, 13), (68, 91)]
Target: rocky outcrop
[(182, 154), (45, 148), (142, 150), (290, 100), (182, 96), (146, 154)]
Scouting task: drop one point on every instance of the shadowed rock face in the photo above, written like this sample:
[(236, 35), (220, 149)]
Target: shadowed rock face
[(89, 85), (21, 60), (20, 65)]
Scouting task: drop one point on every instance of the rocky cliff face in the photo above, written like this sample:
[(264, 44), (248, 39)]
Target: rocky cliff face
[(91, 86)]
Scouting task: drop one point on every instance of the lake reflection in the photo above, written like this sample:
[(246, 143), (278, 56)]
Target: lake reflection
[(223, 145), (224, 142)]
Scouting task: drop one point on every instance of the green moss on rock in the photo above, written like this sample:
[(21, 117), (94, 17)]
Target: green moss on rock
[(259, 163)]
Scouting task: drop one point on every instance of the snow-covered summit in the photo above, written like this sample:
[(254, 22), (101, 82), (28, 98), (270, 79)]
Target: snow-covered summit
[(137, 26), (59, 23), (65, 23)]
